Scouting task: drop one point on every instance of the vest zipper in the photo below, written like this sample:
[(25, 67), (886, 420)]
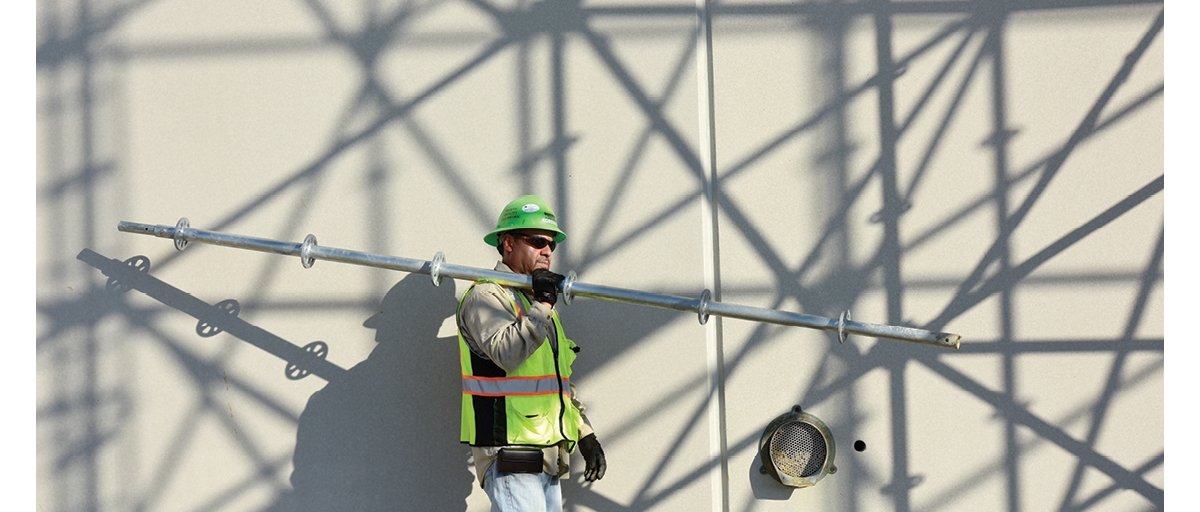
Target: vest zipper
[(562, 404)]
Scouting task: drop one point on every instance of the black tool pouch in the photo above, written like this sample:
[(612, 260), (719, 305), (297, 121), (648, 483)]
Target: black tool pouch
[(510, 460)]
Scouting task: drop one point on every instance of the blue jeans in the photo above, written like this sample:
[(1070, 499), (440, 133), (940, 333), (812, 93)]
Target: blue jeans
[(522, 492)]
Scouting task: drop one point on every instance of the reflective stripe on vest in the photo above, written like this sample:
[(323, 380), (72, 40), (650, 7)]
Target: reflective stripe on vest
[(515, 386)]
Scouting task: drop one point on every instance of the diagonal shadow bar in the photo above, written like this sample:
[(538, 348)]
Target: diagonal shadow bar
[(1016, 413), (1112, 489), (798, 294), (1008, 278), (984, 200), (170, 462), (387, 117), (216, 319), (266, 469), (332, 31), (593, 500), (646, 500), (951, 111), (225, 497), (654, 409), (534, 156), (435, 154), (1056, 162), (970, 481), (747, 229), (449, 172), (834, 105), (591, 251), (94, 305), (206, 376), (644, 494), (970, 27), (856, 190), (290, 228), (378, 31), (651, 109), (390, 115), (828, 232), (205, 373), (839, 102), (1150, 279), (373, 37), (367, 48)]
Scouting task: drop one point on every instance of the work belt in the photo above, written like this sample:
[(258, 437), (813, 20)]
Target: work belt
[(519, 460)]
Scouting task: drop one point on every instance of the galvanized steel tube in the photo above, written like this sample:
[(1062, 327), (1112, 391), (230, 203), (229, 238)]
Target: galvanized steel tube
[(308, 251)]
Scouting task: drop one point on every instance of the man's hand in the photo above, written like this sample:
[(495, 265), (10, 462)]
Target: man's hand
[(593, 455), (545, 285)]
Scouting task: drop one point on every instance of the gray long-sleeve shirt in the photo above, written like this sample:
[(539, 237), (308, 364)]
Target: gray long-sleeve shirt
[(491, 328)]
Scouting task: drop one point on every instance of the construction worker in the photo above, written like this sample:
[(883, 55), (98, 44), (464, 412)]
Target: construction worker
[(519, 410)]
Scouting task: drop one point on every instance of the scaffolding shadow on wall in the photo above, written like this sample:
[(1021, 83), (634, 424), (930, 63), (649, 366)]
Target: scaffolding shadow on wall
[(355, 435), (86, 45)]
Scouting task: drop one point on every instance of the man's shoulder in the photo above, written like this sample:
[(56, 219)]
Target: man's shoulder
[(484, 290), (486, 287)]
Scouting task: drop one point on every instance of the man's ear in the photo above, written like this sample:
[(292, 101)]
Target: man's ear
[(505, 243)]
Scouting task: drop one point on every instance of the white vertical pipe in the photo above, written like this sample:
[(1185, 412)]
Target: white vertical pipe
[(717, 444)]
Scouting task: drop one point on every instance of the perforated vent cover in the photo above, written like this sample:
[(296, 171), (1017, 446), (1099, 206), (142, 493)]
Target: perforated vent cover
[(798, 449)]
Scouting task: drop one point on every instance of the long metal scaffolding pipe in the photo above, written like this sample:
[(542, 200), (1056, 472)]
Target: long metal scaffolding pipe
[(437, 268)]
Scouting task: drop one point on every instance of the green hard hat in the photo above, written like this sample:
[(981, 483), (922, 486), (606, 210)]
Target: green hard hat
[(525, 212)]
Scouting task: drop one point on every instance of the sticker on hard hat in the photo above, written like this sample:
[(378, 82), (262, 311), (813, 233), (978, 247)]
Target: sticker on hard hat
[(530, 208), (549, 221)]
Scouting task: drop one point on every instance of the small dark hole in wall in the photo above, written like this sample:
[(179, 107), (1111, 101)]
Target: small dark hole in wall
[(860, 445)]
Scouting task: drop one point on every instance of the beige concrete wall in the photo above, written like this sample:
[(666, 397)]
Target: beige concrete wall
[(1018, 202)]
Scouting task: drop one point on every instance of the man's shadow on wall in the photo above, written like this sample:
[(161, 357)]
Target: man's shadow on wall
[(385, 437)]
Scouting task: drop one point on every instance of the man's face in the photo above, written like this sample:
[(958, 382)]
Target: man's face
[(521, 253)]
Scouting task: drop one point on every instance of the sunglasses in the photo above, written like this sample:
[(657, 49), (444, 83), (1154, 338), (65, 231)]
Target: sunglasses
[(537, 242)]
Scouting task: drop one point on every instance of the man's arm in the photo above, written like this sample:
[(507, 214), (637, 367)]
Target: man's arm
[(586, 428)]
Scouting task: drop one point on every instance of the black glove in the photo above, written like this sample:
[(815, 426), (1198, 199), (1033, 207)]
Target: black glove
[(545, 285), (593, 455)]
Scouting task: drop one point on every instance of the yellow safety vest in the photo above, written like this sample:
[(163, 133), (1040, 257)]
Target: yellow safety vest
[(530, 405)]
